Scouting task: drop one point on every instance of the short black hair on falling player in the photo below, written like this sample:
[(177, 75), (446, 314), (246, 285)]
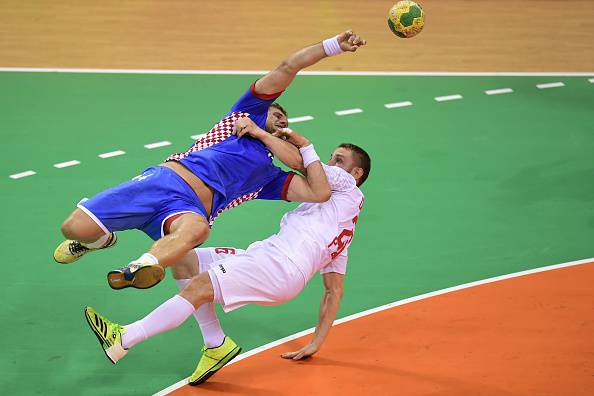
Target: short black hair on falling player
[(277, 106), (362, 158)]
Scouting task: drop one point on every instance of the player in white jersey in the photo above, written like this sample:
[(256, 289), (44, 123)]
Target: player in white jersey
[(312, 238)]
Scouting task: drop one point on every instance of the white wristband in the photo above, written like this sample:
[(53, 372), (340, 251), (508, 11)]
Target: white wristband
[(309, 155), (331, 46)]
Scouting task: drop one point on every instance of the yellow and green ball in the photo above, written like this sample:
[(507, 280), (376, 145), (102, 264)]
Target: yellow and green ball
[(406, 19)]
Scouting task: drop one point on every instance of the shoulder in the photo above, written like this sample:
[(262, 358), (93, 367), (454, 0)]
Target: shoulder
[(339, 179)]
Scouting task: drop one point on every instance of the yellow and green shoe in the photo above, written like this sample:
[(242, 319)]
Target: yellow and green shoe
[(108, 333), (213, 359), (69, 251)]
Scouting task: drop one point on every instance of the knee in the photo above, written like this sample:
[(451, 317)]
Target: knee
[(199, 290), (197, 235), (187, 267), (69, 228), (79, 226)]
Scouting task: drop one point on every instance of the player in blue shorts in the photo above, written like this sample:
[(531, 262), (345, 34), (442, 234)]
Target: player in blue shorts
[(176, 202)]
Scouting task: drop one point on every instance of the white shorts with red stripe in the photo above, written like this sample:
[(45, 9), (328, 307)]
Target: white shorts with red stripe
[(261, 275)]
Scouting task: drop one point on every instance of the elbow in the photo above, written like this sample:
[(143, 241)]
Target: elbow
[(324, 196), (287, 67)]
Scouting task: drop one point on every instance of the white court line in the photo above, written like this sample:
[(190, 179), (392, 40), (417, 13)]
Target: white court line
[(300, 119), (347, 112), (304, 73), (550, 85), (397, 105), (448, 97), (157, 144), (196, 137), (22, 174), (273, 344), (66, 164), (112, 154), (499, 91), (591, 80)]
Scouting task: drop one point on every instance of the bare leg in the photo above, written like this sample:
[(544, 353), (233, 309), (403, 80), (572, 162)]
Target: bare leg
[(80, 227), (199, 290), (187, 232)]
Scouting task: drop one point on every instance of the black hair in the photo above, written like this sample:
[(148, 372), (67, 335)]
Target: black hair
[(277, 106)]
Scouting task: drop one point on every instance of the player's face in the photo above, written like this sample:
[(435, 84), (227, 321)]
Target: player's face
[(276, 120), (343, 158)]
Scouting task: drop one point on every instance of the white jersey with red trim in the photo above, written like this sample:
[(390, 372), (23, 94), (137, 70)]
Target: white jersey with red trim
[(315, 236)]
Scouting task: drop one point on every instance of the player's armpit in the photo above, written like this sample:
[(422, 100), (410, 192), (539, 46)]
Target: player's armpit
[(275, 81)]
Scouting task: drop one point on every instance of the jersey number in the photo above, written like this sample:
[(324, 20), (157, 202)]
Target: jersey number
[(224, 250), (341, 242), (344, 239)]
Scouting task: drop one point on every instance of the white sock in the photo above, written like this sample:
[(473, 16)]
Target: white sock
[(99, 242), (207, 319), (147, 257), (166, 316)]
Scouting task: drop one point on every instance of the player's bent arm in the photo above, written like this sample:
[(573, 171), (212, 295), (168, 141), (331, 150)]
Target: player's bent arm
[(333, 288), (286, 152), (280, 78), (283, 150), (312, 188)]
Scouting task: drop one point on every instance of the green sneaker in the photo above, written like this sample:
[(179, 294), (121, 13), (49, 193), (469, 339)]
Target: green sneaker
[(213, 359), (69, 251), (108, 333)]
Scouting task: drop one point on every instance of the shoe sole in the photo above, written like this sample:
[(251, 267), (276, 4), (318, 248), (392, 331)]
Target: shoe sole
[(144, 278), (230, 356), (97, 334), (111, 243)]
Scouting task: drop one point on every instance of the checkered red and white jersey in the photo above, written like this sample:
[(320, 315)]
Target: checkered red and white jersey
[(217, 134), (237, 169)]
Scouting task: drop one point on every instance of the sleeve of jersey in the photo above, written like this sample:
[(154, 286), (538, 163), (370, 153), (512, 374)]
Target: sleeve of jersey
[(338, 265), (255, 104), (279, 186)]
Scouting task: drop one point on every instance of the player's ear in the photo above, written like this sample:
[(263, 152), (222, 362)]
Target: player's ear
[(357, 172)]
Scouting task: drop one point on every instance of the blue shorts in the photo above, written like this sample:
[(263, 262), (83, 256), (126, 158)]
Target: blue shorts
[(143, 203)]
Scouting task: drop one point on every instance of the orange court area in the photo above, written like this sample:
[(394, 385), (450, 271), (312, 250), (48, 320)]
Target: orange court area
[(530, 335)]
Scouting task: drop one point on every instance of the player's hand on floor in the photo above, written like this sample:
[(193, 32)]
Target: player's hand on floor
[(245, 126), (350, 41), (292, 137), (303, 353)]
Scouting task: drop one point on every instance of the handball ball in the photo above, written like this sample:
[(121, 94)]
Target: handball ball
[(406, 19)]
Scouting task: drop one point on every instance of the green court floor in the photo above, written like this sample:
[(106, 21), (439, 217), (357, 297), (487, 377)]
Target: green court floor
[(459, 191)]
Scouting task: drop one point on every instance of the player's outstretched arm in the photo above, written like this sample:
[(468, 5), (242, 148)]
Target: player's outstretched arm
[(280, 78), (328, 309)]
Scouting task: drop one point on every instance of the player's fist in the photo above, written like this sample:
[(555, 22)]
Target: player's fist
[(292, 137), (245, 126), (350, 41)]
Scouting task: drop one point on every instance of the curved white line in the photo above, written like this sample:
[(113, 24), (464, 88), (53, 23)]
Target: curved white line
[(262, 348)]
